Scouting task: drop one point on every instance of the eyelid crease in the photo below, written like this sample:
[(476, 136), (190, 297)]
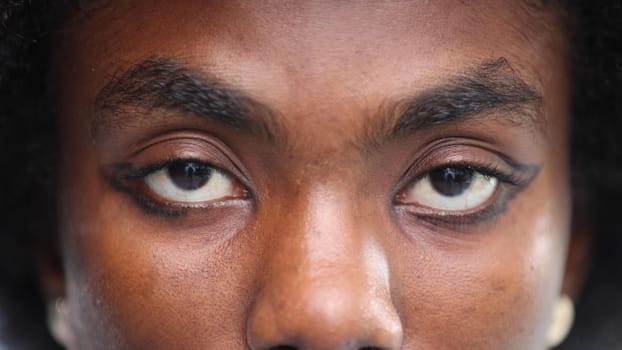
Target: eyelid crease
[(453, 152), (165, 148)]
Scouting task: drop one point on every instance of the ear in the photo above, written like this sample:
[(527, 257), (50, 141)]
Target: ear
[(578, 262), (577, 267), (51, 275), (52, 279)]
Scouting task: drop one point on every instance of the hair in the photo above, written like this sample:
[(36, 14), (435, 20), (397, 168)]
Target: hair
[(28, 152)]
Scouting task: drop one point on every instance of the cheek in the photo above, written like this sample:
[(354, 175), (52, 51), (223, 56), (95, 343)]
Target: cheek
[(497, 288), (133, 278)]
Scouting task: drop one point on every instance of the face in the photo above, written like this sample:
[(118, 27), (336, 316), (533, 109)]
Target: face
[(312, 175)]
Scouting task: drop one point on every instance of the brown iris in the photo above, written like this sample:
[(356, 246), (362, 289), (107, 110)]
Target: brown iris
[(189, 175), (451, 181)]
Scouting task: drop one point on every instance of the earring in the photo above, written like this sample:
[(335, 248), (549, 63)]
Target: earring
[(57, 318), (563, 317)]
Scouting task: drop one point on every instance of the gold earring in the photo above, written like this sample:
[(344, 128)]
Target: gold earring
[(57, 319), (563, 317)]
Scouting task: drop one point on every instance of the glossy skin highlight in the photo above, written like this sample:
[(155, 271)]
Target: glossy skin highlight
[(316, 246)]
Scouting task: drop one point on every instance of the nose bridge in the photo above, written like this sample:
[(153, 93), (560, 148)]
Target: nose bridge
[(325, 282)]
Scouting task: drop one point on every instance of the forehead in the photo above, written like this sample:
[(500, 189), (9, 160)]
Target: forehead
[(315, 43)]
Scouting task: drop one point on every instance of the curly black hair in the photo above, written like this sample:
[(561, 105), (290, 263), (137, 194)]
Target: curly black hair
[(28, 144), (25, 130)]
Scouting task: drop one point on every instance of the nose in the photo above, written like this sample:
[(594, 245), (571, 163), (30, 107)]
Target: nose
[(324, 285)]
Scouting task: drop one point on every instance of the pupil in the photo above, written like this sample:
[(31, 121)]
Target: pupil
[(189, 175), (451, 182)]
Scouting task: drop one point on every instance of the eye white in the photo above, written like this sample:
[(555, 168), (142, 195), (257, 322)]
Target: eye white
[(216, 186), (477, 192)]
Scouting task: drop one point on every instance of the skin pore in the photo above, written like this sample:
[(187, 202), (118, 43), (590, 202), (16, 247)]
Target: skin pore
[(309, 138)]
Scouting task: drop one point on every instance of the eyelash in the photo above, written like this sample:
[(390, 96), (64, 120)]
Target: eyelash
[(510, 184), (125, 177), (130, 180), (489, 170)]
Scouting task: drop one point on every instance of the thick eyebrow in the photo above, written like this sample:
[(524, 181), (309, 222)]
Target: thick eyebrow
[(165, 83), (491, 89)]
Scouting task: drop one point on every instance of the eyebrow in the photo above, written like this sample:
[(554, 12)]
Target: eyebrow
[(167, 84), (491, 89)]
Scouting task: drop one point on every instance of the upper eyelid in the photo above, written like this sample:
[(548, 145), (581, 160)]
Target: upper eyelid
[(417, 172), (150, 169), (490, 171), (141, 173), (132, 181), (464, 151), (447, 155), (503, 195), (197, 146), (518, 178), (455, 218), (513, 178)]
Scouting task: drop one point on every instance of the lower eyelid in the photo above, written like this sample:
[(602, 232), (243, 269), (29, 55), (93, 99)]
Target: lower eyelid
[(455, 221), (508, 186), (127, 179), (504, 194)]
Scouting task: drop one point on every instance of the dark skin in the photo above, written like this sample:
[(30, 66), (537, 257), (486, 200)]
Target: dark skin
[(322, 128)]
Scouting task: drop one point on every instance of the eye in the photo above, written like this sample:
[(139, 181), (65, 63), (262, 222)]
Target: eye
[(452, 189), (190, 182)]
